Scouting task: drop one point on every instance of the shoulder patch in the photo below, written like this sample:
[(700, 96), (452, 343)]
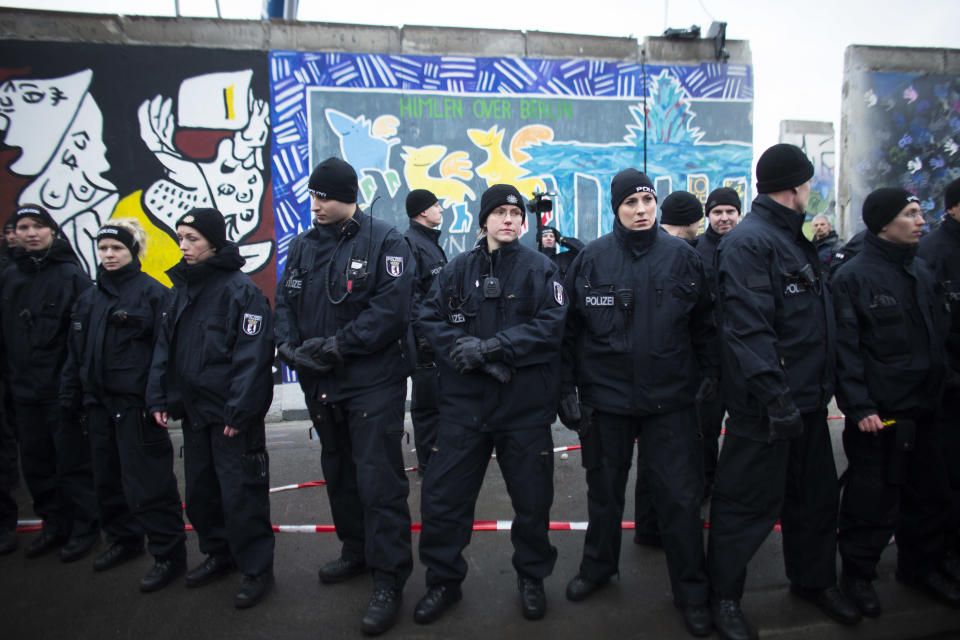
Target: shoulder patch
[(252, 324), (394, 266), (558, 293)]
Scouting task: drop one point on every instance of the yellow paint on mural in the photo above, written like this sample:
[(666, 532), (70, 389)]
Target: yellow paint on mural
[(228, 100), (162, 252), (499, 169), (416, 168)]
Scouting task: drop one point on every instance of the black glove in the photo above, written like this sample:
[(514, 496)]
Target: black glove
[(308, 358), (118, 318), (569, 411), (288, 354), (499, 371), (708, 390), (470, 352), (785, 420), (330, 351)]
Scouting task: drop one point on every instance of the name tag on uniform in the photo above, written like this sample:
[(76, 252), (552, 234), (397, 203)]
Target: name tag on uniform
[(457, 318), (600, 301), (294, 283)]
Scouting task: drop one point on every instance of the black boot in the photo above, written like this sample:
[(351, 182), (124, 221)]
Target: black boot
[(381, 613), (831, 601), (862, 594), (580, 588), (935, 585), (212, 568), (341, 570), (252, 589), (729, 621), (162, 573), (435, 602), (117, 554), (78, 547), (533, 600), (8, 541), (43, 543), (698, 619)]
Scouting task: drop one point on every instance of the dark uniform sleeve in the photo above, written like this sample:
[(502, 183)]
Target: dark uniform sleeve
[(703, 330), (285, 326), (749, 316), (572, 328), (434, 318), (156, 395), (71, 387), (251, 384), (853, 397), (538, 341), (387, 311)]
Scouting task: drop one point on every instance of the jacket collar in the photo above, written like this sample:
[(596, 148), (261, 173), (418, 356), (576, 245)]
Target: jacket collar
[(636, 242), (784, 217), (902, 254), (432, 234)]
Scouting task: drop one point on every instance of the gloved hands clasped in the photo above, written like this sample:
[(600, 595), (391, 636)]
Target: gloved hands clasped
[(569, 411), (318, 355), (470, 353)]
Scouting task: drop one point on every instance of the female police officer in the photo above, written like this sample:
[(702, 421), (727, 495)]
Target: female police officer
[(110, 346), (38, 291), (639, 341), (495, 318), (212, 368)]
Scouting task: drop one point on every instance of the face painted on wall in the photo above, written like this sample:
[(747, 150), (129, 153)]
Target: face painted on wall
[(237, 190)]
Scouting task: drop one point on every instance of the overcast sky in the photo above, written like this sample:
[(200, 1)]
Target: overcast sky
[(797, 46)]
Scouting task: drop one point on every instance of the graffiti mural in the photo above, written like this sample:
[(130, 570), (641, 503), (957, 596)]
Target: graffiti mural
[(820, 147), (94, 131), (907, 133), (456, 124)]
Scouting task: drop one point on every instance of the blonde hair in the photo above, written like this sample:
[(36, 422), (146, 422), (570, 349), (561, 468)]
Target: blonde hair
[(133, 226)]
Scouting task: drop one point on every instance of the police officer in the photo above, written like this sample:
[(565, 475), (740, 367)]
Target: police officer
[(891, 365), (778, 355), (423, 236), (212, 369), (550, 239), (723, 213), (495, 317), (640, 346), (38, 291), (105, 376), (941, 250), (343, 306), (9, 473), (680, 215), (825, 239)]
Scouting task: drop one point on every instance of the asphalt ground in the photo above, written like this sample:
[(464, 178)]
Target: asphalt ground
[(44, 598)]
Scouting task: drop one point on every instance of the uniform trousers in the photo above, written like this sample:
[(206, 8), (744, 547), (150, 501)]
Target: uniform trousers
[(674, 470), (227, 494), (889, 491), (362, 461), (758, 482), (424, 412), (55, 457), (451, 487), (133, 475)]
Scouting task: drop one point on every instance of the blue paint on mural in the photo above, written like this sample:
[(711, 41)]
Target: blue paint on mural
[(907, 134), (457, 124)]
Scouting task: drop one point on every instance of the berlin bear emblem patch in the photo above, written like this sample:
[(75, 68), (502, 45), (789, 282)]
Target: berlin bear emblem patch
[(558, 292), (252, 324), (394, 266)]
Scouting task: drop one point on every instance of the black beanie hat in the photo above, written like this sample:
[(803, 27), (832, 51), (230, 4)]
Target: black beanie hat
[(418, 201), (723, 195), (36, 212), (334, 179), (681, 208), (10, 224), (883, 205), (497, 195), (782, 166), (121, 235), (626, 182), (210, 224), (951, 196), (553, 230)]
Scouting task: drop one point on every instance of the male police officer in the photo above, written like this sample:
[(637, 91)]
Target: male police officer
[(825, 239), (495, 317), (423, 236), (341, 320), (640, 345), (941, 250), (778, 347), (680, 215), (891, 363)]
